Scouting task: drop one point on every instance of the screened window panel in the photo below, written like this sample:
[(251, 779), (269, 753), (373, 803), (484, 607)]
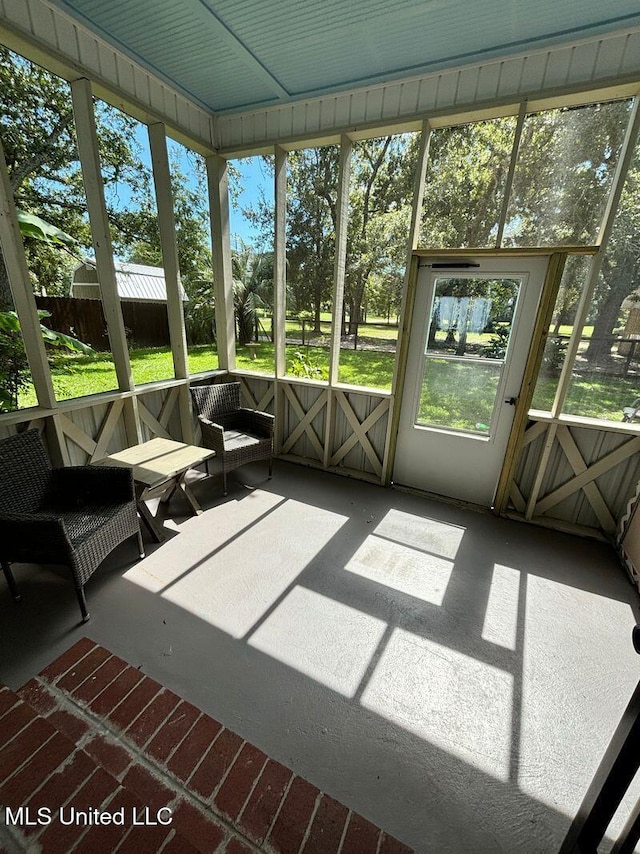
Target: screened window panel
[(565, 166), (380, 197), (465, 182), (251, 215)]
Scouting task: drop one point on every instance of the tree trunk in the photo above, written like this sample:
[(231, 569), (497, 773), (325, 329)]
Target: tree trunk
[(599, 350), (356, 305)]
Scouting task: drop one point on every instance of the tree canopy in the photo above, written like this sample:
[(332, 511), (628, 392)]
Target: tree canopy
[(38, 135)]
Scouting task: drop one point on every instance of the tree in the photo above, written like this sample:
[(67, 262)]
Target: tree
[(620, 274), (312, 185), (464, 184), (14, 368), (382, 174), (38, 134), (252, 289)]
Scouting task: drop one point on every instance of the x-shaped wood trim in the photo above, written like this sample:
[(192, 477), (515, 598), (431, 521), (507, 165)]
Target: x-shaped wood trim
[(305, 418), (586, 475), (106, 430), (360, 430), (77, 435), (158, 425), (265, 400), (517, 497), (538, 428)]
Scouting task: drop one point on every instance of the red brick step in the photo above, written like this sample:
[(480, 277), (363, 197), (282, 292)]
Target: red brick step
[(93, 731)]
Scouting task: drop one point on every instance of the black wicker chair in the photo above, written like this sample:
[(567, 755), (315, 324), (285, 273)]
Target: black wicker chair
[(65, 516), (236, 434)]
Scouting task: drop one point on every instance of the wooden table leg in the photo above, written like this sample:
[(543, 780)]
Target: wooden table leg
[(147, 516), (189, 496)]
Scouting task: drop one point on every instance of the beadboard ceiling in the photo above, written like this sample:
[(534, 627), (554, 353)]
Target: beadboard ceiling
[(228, 55)]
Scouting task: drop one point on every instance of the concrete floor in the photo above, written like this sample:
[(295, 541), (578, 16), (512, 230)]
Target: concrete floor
[(452, 676)]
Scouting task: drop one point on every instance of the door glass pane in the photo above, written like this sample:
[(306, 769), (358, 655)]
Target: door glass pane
[(467, 341)]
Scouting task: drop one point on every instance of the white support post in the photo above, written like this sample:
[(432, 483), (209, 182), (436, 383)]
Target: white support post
[(218, 181), (340, 260), (25, 305), (339, 271), (23, 297), (167, 226), (89, 153), (280, 262), (280, 288), (406, 311)]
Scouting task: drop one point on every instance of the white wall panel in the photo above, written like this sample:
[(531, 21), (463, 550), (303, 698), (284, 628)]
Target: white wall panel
[(610, 53), (616, 485), (467, 86), (590, 62), (312, 116), (298, 123), (447, 89), (42, 21), (511, 71), (107, 67), (18, 11), (583, 60), (358, 107), (409, 97), (557, 73), (488, 79), (391, 100), (427, 95), (373, 104), (533, 71), (629, 60), (342, 110)]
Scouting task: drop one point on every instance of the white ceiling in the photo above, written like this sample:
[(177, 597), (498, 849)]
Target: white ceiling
[(227, 55)]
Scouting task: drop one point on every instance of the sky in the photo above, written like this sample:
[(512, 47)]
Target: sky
[(253, 182)]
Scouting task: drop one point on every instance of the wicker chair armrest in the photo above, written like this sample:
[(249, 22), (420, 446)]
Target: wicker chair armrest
[(36, 535), (76, 486), (212, 435), (259, 422)]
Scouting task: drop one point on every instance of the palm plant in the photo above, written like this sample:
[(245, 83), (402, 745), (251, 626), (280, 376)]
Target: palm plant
[(252, 289)]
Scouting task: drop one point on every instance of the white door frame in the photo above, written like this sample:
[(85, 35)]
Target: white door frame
[(420, 447)]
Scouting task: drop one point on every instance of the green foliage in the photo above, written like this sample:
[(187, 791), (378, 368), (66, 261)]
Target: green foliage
[(497, 346), (252, 289), (199, 314), (554, 355), (303, 364), (33, 226), (14, 368)]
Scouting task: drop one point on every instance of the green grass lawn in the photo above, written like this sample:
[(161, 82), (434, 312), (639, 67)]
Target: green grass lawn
[(459, 394), (453, 395)]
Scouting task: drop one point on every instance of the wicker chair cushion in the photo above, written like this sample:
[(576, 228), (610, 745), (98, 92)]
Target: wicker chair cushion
[(236, 439)]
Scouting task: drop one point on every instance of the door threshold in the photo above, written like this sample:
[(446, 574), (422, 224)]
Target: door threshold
[(442, 499)]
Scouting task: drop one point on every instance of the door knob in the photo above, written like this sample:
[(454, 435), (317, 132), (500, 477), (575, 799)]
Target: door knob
[(511, 401)]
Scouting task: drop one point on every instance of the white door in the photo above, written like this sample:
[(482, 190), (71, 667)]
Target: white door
[(472, 324)]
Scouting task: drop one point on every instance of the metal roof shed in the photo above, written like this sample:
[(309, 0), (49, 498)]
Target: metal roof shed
[(135, 282)]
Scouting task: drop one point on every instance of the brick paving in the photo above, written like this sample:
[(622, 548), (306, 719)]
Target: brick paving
[(92, 733)]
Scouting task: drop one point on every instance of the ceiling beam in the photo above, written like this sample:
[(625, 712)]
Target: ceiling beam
[(244, 53)]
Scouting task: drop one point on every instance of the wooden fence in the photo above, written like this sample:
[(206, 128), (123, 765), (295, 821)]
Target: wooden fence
[(146, 323)]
